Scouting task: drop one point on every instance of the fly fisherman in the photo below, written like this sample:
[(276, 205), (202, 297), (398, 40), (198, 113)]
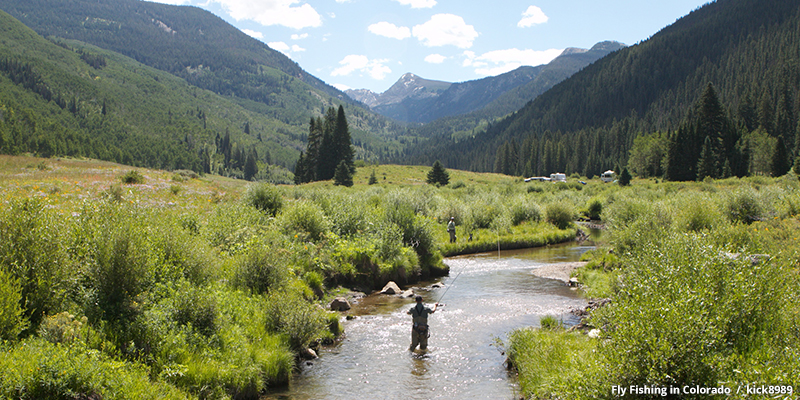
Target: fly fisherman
[(451, 228), (419, 331)]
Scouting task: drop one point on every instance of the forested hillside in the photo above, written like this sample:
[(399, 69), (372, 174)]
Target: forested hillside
[(64, 98), (209, 53), (641, 96)]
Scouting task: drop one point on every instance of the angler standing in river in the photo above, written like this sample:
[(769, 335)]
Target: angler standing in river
[(419, 329)]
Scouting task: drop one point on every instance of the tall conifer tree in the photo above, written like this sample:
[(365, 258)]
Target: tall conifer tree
[(342, 141)]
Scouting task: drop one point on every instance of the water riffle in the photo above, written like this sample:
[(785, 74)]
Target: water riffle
[(492, 295)]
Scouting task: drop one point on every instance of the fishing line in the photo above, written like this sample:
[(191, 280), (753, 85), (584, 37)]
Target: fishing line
[(449, 285)]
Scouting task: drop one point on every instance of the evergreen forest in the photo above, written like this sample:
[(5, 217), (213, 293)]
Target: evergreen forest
[(729, 71)]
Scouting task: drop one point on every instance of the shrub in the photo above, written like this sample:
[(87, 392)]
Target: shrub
[(287, 312), (124, 266), (559, 214), (349, 215), (12, 322), (265, 197), (524, 210), (42, 370), (196, 307), (304, 220), (34, 258), (260, 270), (315, 282), (132, 177), (685, 312), (114, 193), (594, 209), (231, 227), (696, 213), (743, 206), (63, 328)]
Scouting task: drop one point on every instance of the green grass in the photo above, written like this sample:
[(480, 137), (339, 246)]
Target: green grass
[(553, 363)]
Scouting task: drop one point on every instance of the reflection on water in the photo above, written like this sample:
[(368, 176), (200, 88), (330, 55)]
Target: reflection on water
[(492, 296)]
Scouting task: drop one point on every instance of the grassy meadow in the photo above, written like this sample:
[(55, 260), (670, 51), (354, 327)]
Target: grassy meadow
[(120, 282)]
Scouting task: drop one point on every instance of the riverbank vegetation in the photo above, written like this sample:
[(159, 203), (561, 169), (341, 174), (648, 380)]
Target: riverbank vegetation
[(131, 283), (702, 279)]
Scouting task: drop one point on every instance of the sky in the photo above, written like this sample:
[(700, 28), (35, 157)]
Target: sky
[(355, 44)]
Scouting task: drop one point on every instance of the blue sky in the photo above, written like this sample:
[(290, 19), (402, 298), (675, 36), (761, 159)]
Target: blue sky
[(371, 43)]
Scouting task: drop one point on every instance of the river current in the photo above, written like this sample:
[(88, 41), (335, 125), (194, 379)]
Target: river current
[(489, 295)]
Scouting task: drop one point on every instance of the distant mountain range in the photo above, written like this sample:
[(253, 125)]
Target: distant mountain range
[(747, 50), (419, 100)]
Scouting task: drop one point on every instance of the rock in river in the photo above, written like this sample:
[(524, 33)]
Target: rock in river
[(340, 304), (391, 288)]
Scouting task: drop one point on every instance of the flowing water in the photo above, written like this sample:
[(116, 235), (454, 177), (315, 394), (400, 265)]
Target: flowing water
[(491, 296)]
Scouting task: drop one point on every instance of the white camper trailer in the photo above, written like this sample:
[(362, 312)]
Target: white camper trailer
[(608, 176), (558, 177)]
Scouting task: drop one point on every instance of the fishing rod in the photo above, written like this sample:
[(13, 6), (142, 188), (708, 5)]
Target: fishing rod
[(449, 285)]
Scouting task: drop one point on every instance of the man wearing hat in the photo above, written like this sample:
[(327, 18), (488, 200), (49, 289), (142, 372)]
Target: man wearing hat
[(419, 331), (451, 227)]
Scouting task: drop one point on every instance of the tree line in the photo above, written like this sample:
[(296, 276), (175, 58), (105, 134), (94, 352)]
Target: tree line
[(329, 152)]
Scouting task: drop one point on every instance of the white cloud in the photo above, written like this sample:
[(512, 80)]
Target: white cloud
[(532, 16), (254, 34), (446, 29), (285, 48), (280, 46), (376, 69), (273, 12), (341, 86), (501, 61), (300, 36), (435, 59), (418, 3), (390, 30)]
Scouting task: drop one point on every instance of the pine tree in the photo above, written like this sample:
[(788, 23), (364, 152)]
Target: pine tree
[(624, 177), (766, 115), (780, 164), (300, 170), (343, 176), (342, 141), (707, 165), (251, 165), (438, 175), (328, 157), (372, 178)]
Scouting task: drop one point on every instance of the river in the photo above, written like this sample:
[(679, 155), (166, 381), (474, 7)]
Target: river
[(488, 296)]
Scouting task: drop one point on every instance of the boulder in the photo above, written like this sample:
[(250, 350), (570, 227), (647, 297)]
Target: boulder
[(391, 288), (407, 293), (340, 304), (438, 285), (308, 354)]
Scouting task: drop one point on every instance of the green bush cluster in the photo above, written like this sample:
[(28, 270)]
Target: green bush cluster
[(702, 279), (265, 197), (688, 312), (132, 177)]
